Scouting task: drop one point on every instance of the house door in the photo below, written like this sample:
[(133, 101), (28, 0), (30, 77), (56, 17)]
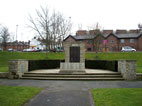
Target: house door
[(74, 54)]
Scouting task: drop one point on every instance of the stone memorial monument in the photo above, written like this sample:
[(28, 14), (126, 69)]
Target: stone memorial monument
[(74, 59)]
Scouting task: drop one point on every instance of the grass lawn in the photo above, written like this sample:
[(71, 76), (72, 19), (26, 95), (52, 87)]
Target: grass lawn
[(5, 56), (118, 97), (16, 96), (120, 55), (4, 69)]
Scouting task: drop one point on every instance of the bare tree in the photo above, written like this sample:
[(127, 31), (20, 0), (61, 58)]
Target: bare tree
[(60, 27), (50, 27), (5, 36), (98, 39)]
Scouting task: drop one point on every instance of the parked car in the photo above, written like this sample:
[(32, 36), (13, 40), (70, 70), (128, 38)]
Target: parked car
[(1, 49), (38, 50), (128, 49), (10, 49), (28, 50), (53, 50), (59, 49), (24, 50)]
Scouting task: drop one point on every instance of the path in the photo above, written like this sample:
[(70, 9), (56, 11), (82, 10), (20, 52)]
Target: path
[(67, 93)]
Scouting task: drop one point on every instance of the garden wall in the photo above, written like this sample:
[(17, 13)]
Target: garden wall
[(126, 67)]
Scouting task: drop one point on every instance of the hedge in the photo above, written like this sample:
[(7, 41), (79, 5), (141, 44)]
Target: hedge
[(90, 64), (44, 64), (101, 64)]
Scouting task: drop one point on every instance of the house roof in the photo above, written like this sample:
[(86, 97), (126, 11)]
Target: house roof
[(82, 37), (127, 35), (69, 36), (119, 36)]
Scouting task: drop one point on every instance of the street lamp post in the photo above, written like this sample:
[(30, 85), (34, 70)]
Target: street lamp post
[(16, 38)]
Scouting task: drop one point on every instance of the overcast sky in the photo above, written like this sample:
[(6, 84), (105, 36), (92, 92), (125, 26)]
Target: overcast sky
[(110, 14)]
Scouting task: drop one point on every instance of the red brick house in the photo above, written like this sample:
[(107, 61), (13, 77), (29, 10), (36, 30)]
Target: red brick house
[(110, 40), (19, 46)]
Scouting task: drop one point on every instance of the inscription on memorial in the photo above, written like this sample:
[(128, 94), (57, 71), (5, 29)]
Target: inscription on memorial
[(75, 54)]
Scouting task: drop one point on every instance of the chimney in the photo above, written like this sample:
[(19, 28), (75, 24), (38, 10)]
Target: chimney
[(81, 32), (92, 32), (107, 31), (121, 31), (133, 31)]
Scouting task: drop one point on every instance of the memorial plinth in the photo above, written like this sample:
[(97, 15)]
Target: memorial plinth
[(74, 59)]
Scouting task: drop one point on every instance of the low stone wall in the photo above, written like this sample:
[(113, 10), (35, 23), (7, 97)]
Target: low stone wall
[(3, 74), (139, 76), (17, 68), (127, 68)]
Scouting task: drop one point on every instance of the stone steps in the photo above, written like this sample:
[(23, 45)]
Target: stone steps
[(46, 78), (58, 76), (71, 76), (111, 73)]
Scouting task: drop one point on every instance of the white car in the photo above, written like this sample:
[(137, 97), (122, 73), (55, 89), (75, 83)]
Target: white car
[(1, 49), (128, 49), (28, 50), (10, 49)]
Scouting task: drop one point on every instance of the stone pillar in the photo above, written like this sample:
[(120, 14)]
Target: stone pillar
[(17, 68), (127, 68)]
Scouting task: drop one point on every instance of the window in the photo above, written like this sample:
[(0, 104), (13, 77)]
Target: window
[(88, 49), (70, 41), (122, 40), (99, 41), (111, 41), (100, 49), (131, 40), (89, 41), (111, 49)]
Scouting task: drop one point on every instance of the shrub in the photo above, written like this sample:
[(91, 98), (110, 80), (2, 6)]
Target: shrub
[(101, 64), (90, 64), (44, 64)]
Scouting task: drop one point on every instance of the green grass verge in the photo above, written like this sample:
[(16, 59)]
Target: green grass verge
[(5, 56), (118, 97), (4, 69), (120, 55), (16, 96)]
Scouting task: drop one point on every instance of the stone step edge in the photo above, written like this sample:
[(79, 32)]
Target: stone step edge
[(76, 74), (33, 75), (72, 78)]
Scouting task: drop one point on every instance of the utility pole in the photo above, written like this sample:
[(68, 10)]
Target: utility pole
[(16, 38)]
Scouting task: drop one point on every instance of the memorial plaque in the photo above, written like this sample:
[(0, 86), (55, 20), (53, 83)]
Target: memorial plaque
[(74, 54)]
